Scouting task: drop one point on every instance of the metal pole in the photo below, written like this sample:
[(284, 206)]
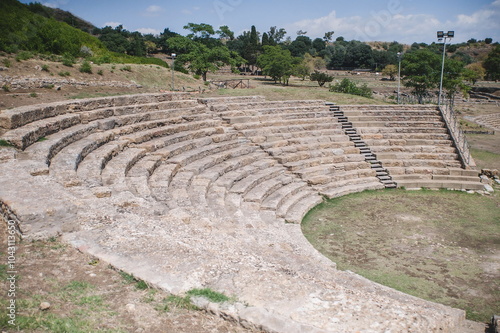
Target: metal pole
[(173, 65), (442, 72), (399, 73)]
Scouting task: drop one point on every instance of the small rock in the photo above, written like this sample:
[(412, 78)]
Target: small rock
[(101, 192), (130, 307), (485, 179), (92, 275), (488, 188), (44, 306), (39, 172)]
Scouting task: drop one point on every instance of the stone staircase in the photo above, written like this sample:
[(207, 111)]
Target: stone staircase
[(370, 157), (412, 143), (186, 192)]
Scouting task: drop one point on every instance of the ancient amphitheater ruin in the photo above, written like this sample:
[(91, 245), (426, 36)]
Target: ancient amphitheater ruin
[(188, 192)]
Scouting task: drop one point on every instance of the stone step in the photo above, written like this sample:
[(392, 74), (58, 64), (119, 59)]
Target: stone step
[(340, 161), (447, 184), (246, 184), (386, 155), (419, 163), (265, 188), (160, 179), (229, 178), (283, 122), (413, 130), (46, 150), (335, 191), (266, 117), (275, 200), (303, 129), (220, 106), (26, 135), (301, 207), (89, 170), (307, 142), (70, 156), (335, 176), (195, 153), (302, 201), (117, 168), (413, 149)]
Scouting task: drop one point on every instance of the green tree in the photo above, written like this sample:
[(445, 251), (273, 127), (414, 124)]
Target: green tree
[(277, 63), (225, 33), (321, 78), (391, 71), (276, 35), (421, 71), (328, 36), (492, 64), (200, 59), (475, 72)]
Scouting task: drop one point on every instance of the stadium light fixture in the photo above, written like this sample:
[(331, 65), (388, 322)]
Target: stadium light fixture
[(173, 65), (442, 37)]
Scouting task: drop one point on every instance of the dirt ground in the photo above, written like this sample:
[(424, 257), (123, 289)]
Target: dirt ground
[(86, 295)]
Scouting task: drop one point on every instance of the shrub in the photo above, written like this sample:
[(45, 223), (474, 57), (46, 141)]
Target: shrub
[(347, 86), (64, 74), (45, 68), (100, 72), (24, 55), (86, 67), (68, 60), (322, 78), (5, 88), (6, 62), (126, 68)]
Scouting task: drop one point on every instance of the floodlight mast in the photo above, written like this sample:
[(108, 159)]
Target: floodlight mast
[(399, 72), (442, 37), (173, 65)]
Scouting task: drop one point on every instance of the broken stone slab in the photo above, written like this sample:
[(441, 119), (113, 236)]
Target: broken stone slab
[(488, 188)]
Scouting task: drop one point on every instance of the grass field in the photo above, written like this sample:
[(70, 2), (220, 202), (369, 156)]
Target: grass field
[(442, 246)]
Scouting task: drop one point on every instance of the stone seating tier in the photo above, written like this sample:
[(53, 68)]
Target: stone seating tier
[(211, 182)]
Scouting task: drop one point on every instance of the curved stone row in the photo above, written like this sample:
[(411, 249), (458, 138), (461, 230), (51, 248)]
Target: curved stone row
[(490, 120), (186, 192)]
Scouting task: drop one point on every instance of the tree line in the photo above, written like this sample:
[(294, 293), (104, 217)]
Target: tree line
[(205, 49)]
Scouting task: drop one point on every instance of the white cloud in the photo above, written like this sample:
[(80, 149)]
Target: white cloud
[(386, 25), (190, 11), (55, 4), (146, 31), (50, 4), (111, 24), (154, 9)]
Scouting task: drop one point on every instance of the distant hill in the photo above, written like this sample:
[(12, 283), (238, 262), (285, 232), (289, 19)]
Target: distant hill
[(22, 29), (62, 16)]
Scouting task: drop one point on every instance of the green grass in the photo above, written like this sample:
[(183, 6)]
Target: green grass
[(129, 279), (175, 302), (4, 143), (430, 244), (484, 158), (211, 295)]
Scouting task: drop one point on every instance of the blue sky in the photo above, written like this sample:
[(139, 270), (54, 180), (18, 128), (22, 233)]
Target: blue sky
[(405, 21)]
